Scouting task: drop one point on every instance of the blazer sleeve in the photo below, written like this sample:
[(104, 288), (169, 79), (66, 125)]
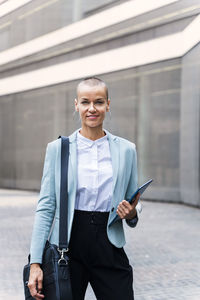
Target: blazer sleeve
[(45, 210), (132, 187)]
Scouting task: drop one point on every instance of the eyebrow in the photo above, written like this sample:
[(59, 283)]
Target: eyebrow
[(82, 98)]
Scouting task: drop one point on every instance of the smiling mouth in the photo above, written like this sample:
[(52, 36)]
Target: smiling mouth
[(92, 116)]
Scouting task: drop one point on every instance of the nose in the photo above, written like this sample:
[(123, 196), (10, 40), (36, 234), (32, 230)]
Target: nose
[(92, 108)]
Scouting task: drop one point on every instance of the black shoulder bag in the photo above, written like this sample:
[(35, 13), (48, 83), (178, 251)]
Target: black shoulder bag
[(56, 276)]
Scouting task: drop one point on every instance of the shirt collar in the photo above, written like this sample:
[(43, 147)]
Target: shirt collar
[(88, 142)]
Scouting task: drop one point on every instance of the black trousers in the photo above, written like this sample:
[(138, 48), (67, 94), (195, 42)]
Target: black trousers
[(94, 260)]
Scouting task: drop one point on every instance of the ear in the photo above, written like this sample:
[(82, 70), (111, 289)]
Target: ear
[(108, 105), (76, 104)]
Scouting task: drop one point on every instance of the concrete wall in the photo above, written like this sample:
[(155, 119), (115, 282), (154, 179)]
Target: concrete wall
[(40, 17), (155, 105), (145, 108), (190, 128)]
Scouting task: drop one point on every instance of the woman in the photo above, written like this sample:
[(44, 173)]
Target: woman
[(102, 174)]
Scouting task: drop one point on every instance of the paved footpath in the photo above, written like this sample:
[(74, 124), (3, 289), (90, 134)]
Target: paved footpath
[(164, 248)]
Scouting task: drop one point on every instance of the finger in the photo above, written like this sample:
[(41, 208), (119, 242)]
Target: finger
[(135, 200), (123, 210), (34, 293), (120, 211), (38, 296), (32, 288), (126, 204), (138, 196), (40, 284), (127, 209)]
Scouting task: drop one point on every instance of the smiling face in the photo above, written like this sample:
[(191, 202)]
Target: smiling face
[(92, 104)]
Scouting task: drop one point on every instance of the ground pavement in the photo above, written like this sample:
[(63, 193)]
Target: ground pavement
[(164, 248)]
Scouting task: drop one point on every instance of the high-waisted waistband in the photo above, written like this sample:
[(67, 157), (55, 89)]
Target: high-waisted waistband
[(91, 217)]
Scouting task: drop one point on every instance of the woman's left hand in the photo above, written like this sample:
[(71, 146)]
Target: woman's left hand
[(125, 210)]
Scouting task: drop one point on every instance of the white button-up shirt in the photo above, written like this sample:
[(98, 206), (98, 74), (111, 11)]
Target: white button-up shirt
[(95, 175)]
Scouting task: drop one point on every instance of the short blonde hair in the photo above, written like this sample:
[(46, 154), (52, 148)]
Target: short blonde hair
[(92, 81)]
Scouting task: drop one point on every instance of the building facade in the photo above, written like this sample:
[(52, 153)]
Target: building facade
[(147, 52)]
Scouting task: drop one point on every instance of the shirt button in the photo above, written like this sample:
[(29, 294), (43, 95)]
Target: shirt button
[(112, 209)]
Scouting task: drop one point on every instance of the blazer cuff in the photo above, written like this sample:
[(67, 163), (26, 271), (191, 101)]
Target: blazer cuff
[(35, 260), (132, 222)]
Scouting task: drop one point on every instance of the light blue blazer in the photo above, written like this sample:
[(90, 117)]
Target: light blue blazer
[(46, 224)]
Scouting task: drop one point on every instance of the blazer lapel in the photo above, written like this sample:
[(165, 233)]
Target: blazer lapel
[(72, 163), (114, 152)]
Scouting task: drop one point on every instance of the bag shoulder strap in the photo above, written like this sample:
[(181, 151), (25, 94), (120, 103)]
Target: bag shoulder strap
[(63, 225)]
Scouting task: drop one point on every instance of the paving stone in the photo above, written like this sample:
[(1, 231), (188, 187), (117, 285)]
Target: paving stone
[(164, 248)]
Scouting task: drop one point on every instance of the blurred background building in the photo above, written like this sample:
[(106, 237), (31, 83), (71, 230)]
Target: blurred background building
[(147, 51)]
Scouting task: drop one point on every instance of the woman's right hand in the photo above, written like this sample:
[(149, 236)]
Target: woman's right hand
[(35, 281)]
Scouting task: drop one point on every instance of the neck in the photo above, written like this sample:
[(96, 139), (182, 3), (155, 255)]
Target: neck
[(92, 133)]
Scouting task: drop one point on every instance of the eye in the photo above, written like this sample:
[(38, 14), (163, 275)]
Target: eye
[(84, 102), (100, 102)]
